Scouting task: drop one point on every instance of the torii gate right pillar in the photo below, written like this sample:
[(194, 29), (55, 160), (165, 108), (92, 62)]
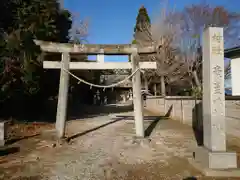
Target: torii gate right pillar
[(137, 97)]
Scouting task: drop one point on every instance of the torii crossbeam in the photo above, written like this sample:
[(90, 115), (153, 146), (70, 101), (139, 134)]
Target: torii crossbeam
[(99, 50)]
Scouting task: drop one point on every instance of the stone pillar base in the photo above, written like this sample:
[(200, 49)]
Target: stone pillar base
[(216, 164), (50, 135), (215, 160)]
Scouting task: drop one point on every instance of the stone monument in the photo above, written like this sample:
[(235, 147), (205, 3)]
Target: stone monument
[(213, 154)]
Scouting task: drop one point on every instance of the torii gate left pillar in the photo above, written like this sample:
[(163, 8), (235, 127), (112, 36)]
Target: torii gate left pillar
[(64, 77), (62, 97)]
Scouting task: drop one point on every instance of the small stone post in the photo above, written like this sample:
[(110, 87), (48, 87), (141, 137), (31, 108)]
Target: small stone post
[(137, 97), (213, 155), (63, 97), (2, 133)]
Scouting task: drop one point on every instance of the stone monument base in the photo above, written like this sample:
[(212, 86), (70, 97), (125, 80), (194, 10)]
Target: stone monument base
[(217, 164)]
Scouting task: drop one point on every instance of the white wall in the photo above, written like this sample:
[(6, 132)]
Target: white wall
[(235, 70), (187, 110)]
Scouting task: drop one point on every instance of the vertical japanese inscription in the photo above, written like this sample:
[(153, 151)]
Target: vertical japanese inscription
[(217, 75), (217, 90), (217, 78), (217, 48)]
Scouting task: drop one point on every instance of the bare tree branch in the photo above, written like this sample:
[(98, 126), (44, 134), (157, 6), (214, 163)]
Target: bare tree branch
[(227, 70), (79, 31), (193, 21)]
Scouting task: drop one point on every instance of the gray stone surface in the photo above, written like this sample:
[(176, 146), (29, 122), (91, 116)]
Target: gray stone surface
[(63, 96), (137, 97), (213, 90), (213, 155)]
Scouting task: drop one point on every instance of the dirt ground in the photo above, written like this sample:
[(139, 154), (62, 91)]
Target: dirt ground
[(103, 148)]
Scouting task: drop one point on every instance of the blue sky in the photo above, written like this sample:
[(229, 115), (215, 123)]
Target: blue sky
[(112, 21)]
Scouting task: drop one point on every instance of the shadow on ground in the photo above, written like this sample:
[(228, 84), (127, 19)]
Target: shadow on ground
[(168, 114), (82, 111), (8, 150), (148, 131), (90, 111), (74, 111), (197, 123), (93, 111), (20, 130), (190, 178), (151, 127), (13, 140), (29, 178), (91, 130)]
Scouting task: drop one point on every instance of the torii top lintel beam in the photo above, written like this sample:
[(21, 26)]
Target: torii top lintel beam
[(93, 49)]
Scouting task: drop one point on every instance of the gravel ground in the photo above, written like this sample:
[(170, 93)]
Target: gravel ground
[(104, 148)]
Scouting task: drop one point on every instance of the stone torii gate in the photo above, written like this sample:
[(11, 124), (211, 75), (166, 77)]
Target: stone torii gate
[(90, 49)]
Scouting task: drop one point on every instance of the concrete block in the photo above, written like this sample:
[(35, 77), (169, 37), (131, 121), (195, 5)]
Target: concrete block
[(215, 160), (227, 173)]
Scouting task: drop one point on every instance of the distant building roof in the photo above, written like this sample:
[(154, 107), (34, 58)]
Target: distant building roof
[(232, 52)]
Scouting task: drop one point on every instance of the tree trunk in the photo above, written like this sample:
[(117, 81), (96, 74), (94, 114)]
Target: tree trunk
[(163, 88), (196, 79)]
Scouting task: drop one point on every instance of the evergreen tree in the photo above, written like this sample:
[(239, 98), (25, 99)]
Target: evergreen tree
[(142, 29), (21, 73), (142, 36), (143, 21)]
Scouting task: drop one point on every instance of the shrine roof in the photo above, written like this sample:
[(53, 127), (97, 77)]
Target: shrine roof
[(232, 52)]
